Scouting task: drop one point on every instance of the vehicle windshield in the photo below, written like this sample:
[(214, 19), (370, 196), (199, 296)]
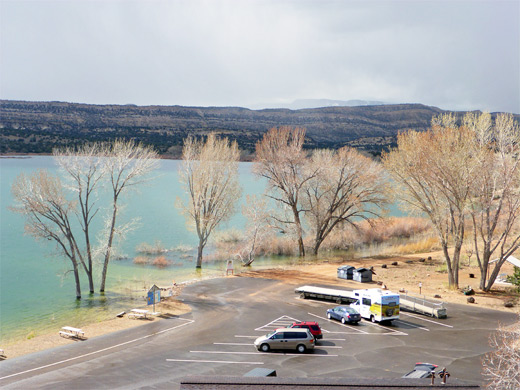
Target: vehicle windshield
[(350, 310), (268, 335)]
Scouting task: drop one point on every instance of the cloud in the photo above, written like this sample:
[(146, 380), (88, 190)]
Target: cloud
[(455, 55)]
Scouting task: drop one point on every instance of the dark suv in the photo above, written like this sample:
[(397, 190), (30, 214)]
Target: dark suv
[(313, 327)]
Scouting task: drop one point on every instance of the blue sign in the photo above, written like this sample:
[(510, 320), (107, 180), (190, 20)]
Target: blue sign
[(153, 297)]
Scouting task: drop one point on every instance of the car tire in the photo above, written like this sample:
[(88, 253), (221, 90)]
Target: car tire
[(373, 319), (343, 320), (265, 348), (328, 316), (301, 348)]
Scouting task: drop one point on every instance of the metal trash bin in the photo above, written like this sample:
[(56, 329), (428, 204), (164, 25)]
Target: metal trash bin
[(362, 275), (345, 272)]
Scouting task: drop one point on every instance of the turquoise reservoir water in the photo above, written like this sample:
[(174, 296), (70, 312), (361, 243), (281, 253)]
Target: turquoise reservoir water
[(36, 294)]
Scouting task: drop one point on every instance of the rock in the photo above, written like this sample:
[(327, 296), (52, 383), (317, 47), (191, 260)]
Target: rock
[(471, 300), (379, 283), (394, 263), (472, 276), (422, 260), (437, 296), (429, 257), (509, 304), (408, 262), (383, 266), (402, 290)]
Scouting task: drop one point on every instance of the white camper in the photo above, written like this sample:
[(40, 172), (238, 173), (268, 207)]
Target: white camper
[(376, 305)]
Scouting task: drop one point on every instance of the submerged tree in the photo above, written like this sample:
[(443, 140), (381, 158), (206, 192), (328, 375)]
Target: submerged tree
[(280, 159), (126, 165), (41, 200), (344, 185), (434, 171), (209, 174), (83, 167)]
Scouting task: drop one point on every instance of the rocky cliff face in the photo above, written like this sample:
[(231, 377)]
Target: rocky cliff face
[(36, 127)]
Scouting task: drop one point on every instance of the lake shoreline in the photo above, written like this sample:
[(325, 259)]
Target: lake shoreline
[(404, 275)]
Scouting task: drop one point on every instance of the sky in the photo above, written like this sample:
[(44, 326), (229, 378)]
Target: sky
[(456, 55)]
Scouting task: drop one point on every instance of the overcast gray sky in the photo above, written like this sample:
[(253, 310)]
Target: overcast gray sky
[(457, 55)]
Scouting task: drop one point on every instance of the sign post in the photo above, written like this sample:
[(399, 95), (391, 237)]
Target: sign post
[(154, 295)]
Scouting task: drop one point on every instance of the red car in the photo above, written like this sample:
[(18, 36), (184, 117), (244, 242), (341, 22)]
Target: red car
[(313, 327)]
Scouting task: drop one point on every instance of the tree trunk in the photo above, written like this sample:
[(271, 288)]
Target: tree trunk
[(76, 277), (316, 247), (451, 280), (199, 254), (484, 269), (299, 230), (456, 260), (90, 268), (109, 248)]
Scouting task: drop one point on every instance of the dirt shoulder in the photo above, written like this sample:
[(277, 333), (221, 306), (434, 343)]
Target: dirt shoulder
[(406, 275)]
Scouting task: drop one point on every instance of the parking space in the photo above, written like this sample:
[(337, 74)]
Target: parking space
[(337, 343)]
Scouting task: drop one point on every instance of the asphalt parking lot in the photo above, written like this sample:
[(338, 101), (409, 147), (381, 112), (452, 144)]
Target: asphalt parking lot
[(217, 339)]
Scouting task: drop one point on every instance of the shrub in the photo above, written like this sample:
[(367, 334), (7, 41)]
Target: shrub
[(515, 278), (141, 260), (144, 247), (160, 261)]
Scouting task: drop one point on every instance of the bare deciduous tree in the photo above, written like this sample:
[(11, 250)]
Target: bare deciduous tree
[(40, 199), (502, 365), (209, 174), (258, 227), (280, 159), (433, 171), (83, 167), (495, 200), (126, 164), (344, 185)]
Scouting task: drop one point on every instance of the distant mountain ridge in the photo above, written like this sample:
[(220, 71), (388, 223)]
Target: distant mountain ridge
[(36, 127), (300, 104)]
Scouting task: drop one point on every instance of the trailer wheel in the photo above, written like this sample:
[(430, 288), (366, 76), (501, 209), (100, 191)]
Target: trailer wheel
[(338, 301)]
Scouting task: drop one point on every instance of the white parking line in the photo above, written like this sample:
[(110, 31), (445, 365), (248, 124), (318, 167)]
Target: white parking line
[(210, 361), (258, 353), (338, 323), (99, 350), (394, 332), (334, 339), (249, 337), (280, 322), (249, 344), (412, 325), (426, 319), (327, 346)]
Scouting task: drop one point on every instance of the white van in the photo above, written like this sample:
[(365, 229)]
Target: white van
[(376, 305)]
